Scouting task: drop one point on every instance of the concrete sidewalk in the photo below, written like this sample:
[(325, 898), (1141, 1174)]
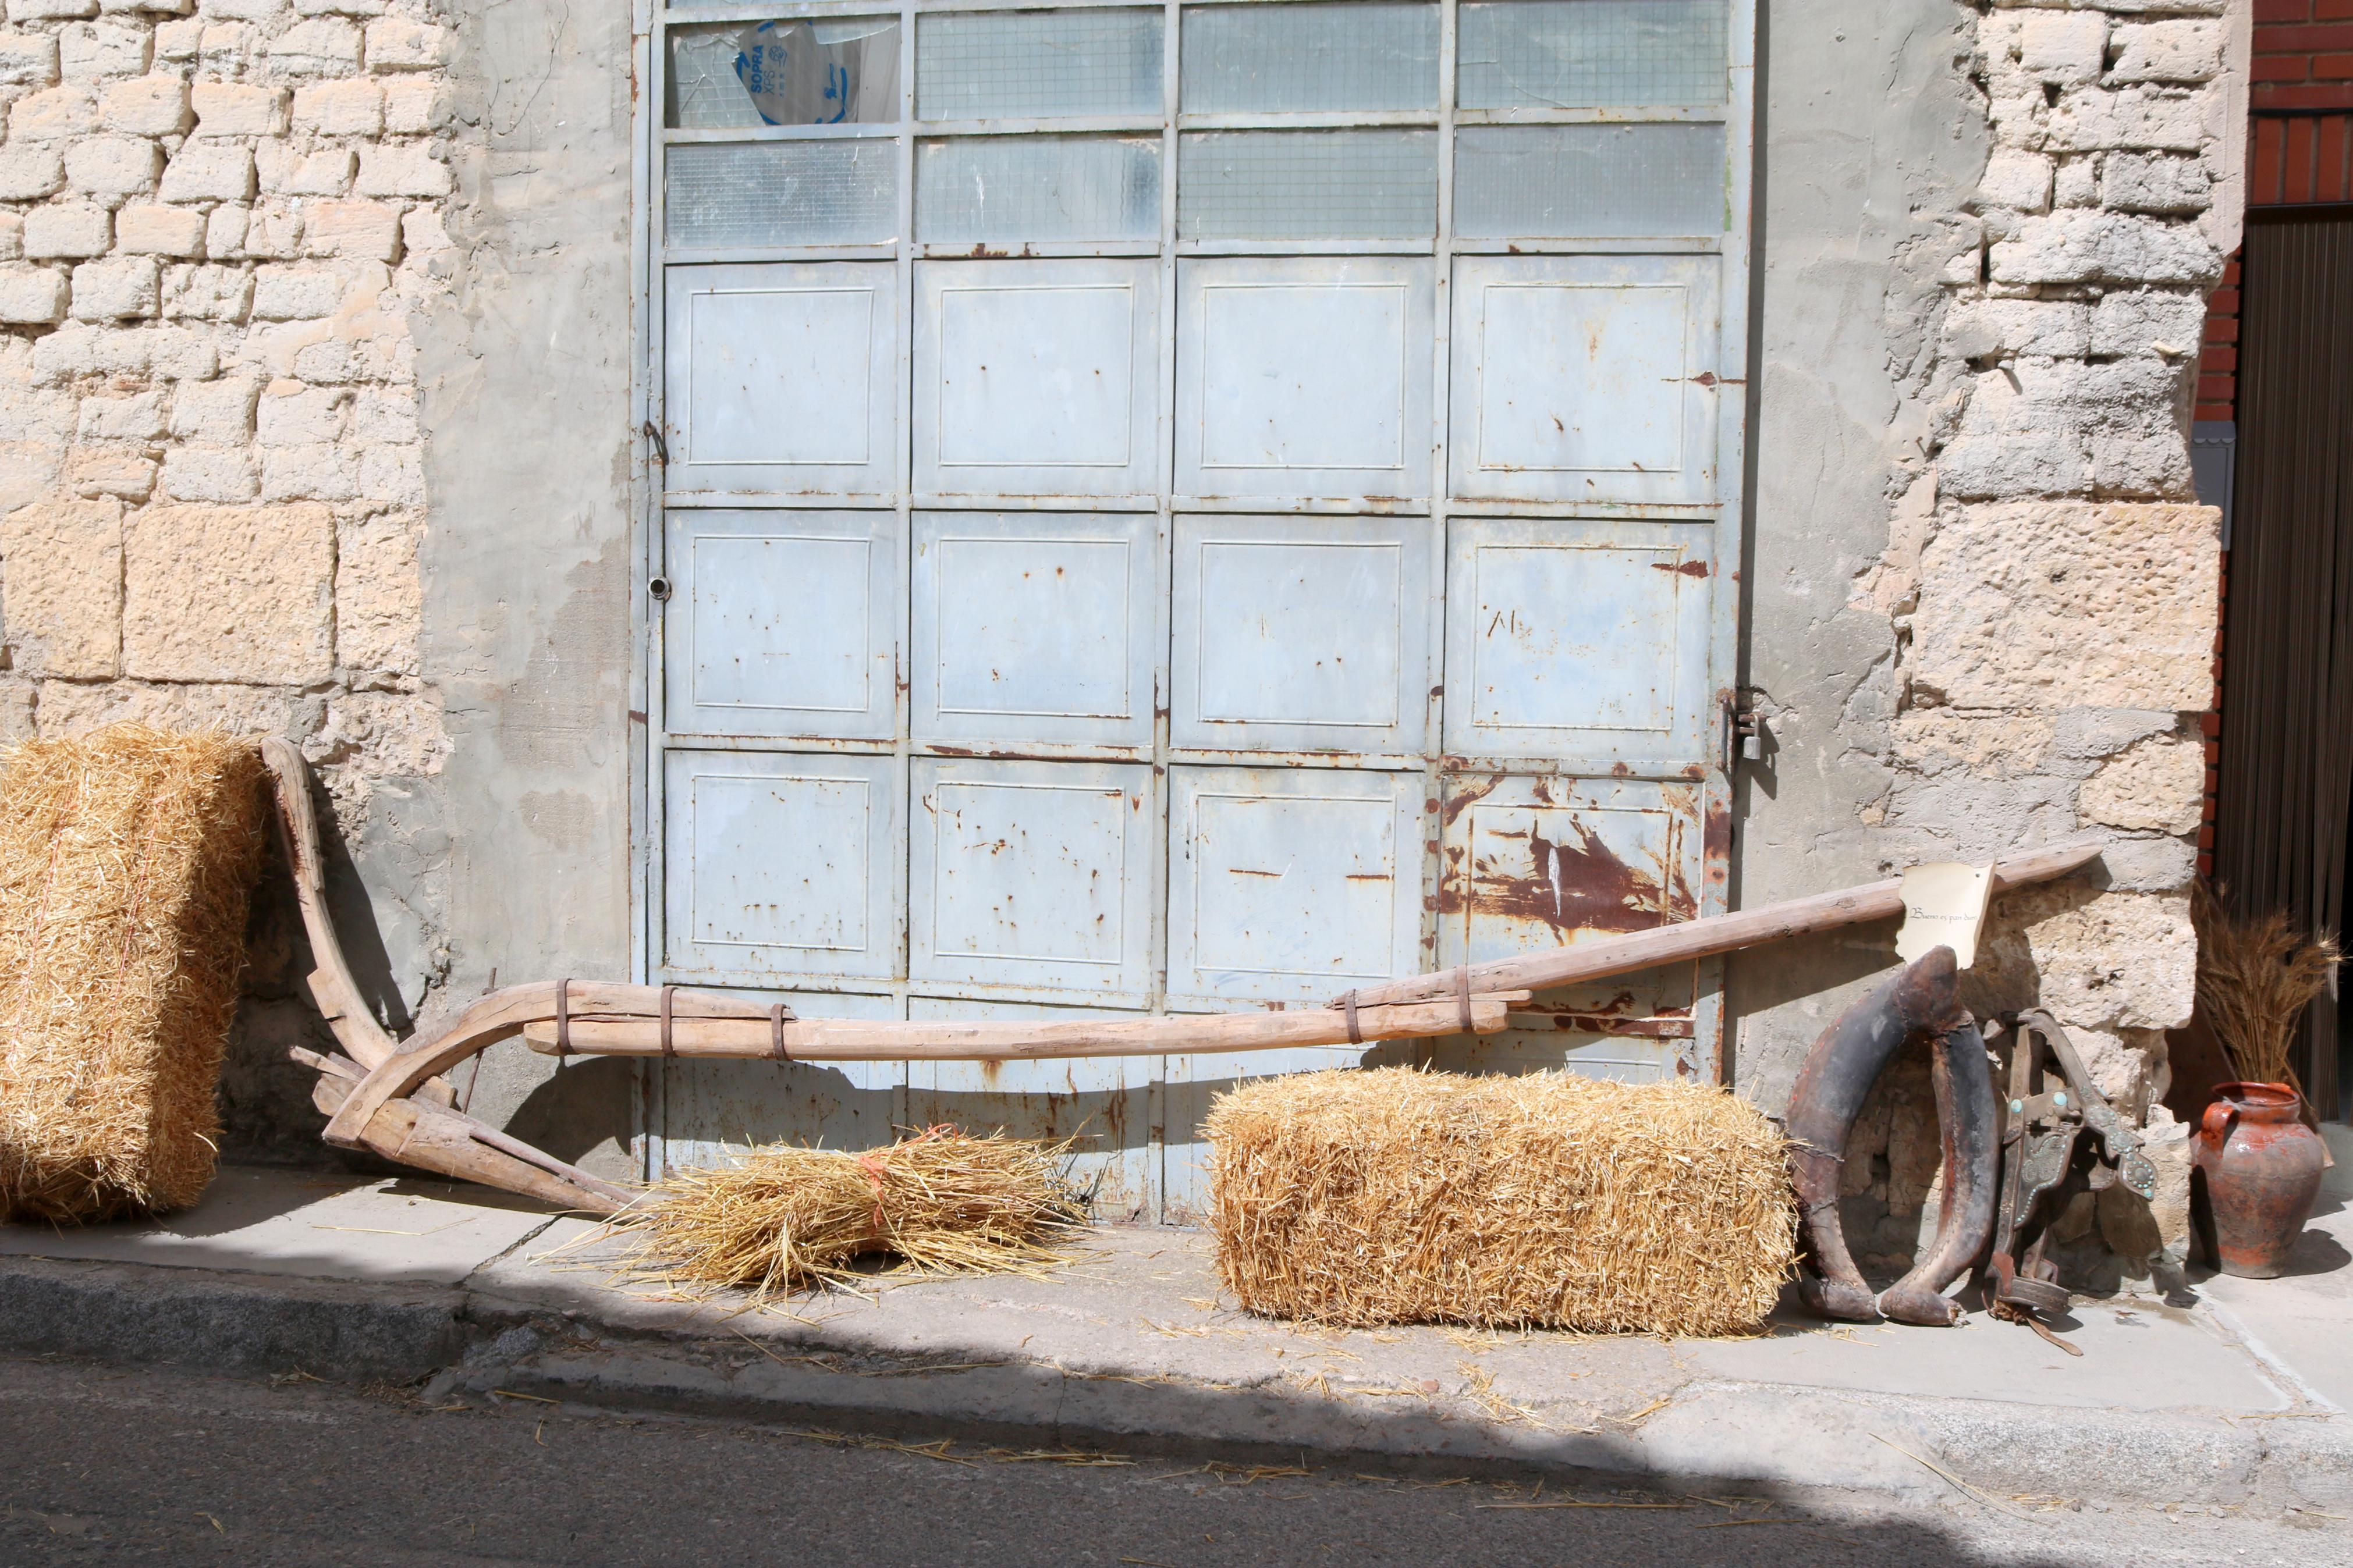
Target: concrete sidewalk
[(2235, 1396)]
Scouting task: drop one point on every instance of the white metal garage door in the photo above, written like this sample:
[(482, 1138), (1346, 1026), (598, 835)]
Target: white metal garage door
[(1184, 508)]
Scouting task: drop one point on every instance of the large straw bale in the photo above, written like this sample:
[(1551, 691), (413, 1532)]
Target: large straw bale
[(1399, 1196), (126, 860)]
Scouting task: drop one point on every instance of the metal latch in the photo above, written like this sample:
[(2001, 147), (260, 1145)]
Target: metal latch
[(1744, 729)]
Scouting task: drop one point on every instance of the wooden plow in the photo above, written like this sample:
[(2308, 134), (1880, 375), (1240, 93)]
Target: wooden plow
[(394, 1097)]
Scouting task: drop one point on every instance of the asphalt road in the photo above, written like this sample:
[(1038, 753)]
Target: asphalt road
[(102, 1465)]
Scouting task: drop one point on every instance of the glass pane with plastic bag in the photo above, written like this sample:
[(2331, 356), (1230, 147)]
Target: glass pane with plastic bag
[(738, 76)]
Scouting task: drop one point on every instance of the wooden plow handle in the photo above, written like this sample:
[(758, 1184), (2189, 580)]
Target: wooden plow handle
[(393, 1097)]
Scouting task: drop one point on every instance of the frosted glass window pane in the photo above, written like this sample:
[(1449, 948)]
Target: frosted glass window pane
[(1038, 187), (829, 72), (783, 192), (1258, 59), (1308, 184), (1578, 54), (979, 65), (1533, 181)]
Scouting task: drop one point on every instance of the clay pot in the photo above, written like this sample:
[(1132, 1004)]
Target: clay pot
[(2262, 1168)]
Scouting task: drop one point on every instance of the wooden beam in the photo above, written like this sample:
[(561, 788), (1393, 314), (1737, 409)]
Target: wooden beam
[(1716, 934), (858, 1040)]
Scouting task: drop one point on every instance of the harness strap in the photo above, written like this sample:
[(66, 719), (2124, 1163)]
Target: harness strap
[(564, 1016)]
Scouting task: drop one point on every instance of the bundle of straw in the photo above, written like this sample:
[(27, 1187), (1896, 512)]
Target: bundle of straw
[(126, 860), (786, 1218), (1550, 1200), (2255, 977)]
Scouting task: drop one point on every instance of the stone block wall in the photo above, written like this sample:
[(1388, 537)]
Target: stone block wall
[(217, 218), (2051, 588)]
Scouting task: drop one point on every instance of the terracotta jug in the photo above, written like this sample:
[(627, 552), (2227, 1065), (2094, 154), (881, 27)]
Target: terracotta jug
[(2262, 1168)]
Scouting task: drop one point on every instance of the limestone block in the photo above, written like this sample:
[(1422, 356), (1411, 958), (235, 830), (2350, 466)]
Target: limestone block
[(2088, 119), (108, 471), (218, 593), (29, 172), (2018, 179), (324, 45), (12, 237), (150, 230), (21, 11), (231, 109), (28, 472), (391, 476), (216, 413), (145, 106), (2077, 181), (396, 44), (146, 10), (413, 105), (200, 172), (369, 231), (28, 59), (17, 699), (179, 40), (2167, 51), (422, 231), (2157, 783), (354, 108), (294, 414), (318, 471), (2141, 466), (381, 734), (2156, 183), (2001, 464), (338, 7), (210, 474), (2103, 962), (326, 173), (97, 51), (207, 294), (386, 414), (1998, 746), (379, 596), (32, 296), (267, 233), (401, 172), (242, 709), (50, 116), (61, 588), (224, 47), (2063, 46), (112, 168), (120, 289), (168, 353), (2090, 247), (1986, 329), (2167, 326), (2044, 606), (259, 11), (297, 293), (138, 416), (67, 231)]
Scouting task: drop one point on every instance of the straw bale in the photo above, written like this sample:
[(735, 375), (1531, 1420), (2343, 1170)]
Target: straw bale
[(126, 860), (1395, 1195), (786, 1218)]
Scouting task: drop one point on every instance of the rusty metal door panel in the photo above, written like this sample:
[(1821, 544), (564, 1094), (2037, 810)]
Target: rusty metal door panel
[(1035, 627), (1289, 884), (1584, 378), (1036, 377), (778, 378), (1300, 634), (1303, 377), (1533, 862), (713, 1109), (781, 864), (783, 623), (1035, 875), (1586, 641), (1103, 1103)]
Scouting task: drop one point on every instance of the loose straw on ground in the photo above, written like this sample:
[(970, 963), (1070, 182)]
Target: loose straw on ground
[(1549, 1200), (126, 861), (786, 1219)]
